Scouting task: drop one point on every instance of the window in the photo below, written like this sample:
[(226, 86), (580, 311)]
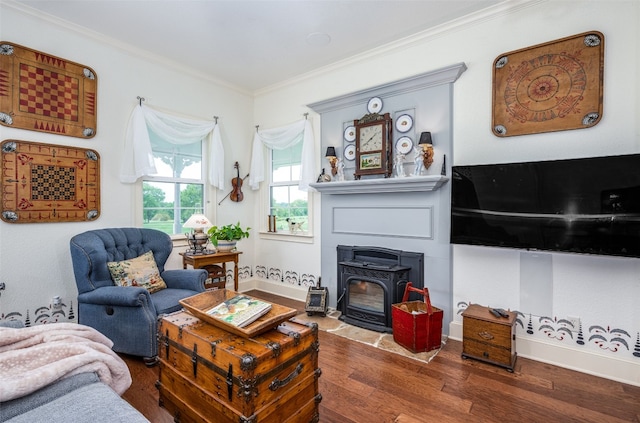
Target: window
[(177, 190), (286, 201)]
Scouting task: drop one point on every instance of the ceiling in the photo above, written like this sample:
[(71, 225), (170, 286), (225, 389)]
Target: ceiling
[(253, 44)]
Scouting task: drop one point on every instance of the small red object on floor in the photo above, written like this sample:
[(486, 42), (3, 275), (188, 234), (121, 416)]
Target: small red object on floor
[(417, 325)]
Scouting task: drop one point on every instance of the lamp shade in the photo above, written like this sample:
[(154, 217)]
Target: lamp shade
[(425, 138), (331, 152), (197, 221)]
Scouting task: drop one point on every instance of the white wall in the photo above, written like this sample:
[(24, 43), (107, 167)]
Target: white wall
[(35, 263), (601, 291)]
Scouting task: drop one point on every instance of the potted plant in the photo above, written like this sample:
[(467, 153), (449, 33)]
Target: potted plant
[(224, 238)]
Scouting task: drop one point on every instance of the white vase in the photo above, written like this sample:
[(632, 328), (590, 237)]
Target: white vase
[(225, 245)]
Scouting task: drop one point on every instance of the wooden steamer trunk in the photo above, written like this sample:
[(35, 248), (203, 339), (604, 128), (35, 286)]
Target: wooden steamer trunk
[(210, 375)]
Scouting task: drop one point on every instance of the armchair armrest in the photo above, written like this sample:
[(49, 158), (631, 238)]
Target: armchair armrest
[(192, 279), (131, 296)]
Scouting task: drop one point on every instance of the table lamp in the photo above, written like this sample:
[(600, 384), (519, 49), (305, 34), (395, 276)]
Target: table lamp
[(426, 143), (333, 158), (197, 238)]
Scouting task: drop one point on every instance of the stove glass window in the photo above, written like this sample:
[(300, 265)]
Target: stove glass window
[(366, 295)]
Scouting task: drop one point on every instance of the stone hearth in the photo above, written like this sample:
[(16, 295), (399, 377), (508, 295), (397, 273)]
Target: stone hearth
[(384, 341)]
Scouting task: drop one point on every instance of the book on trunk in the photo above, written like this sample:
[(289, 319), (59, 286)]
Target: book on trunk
[(240, 310)]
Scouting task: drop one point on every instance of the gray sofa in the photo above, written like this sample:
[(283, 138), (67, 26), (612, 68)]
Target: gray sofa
[(81, 398)]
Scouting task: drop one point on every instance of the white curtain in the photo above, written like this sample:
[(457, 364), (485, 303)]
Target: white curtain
[(279, 139), (138, 156)]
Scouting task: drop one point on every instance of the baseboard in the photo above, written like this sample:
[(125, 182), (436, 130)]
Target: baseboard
[(292, 292), (570, 358)]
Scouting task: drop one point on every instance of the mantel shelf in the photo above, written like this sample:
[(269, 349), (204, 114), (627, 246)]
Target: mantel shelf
[(380, 185)]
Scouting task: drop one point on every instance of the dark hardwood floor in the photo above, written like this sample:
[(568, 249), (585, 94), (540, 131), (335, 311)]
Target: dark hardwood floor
[(362, 384)]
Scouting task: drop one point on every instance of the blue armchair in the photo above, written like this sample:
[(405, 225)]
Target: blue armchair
[(127, 315)]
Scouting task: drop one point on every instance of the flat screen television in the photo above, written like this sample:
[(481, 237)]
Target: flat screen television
[(589, 206)]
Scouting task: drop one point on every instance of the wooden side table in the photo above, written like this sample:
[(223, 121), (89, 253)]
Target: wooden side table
[(200, 261), (489, 338)]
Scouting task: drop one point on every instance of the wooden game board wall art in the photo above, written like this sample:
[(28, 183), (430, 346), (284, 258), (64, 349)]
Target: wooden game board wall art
[(549, 87), (48, 183), (44, 93)]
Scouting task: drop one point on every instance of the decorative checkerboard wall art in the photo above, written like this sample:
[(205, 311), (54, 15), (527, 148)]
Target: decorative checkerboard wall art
[(44, 93), (48, 183)]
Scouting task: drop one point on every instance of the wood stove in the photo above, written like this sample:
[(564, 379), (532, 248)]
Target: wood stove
[(370, 279)]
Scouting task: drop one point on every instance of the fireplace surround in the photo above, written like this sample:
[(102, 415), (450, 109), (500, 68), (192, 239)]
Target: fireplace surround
[(370, 279), (407, 214)]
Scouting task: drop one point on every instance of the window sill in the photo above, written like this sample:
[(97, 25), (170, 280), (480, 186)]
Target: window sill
[(302, 237), (178, 240)]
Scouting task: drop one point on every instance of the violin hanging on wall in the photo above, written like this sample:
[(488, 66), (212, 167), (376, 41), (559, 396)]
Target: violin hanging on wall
[(236, 194)]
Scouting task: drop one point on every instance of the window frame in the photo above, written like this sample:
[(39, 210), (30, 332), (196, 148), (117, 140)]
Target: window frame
[(203, 181), (304, 236)]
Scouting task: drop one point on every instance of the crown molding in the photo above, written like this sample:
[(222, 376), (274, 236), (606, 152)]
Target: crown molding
[(446, 75)]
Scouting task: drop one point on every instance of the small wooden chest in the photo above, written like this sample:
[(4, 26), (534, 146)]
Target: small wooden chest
[(489, 338), (210, 375)]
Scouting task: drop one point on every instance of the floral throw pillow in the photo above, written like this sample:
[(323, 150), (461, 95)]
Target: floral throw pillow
[(140, 271)]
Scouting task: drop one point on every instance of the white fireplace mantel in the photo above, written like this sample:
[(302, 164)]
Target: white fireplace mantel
[(381, 185), (411, 213)]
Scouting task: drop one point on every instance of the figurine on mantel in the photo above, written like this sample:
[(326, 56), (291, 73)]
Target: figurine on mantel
[(418, 159), (398, 165), (340, 173), (323, 177)]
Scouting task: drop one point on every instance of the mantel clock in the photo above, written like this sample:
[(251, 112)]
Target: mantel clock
[(373, 146)]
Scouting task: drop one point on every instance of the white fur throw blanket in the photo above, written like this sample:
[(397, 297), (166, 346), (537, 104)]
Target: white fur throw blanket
[(33, 357)]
